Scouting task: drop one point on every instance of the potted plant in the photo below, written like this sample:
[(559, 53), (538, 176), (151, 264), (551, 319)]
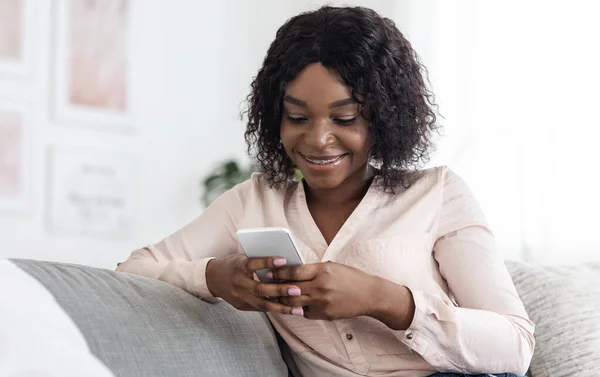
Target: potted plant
[(225, 176)]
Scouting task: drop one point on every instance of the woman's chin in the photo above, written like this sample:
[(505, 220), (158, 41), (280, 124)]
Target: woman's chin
[(323, 182)]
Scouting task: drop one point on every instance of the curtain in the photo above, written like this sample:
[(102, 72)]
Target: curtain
[(518, 84)]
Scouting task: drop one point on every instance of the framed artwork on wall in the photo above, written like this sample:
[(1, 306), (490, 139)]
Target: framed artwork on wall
[(14, 156), (15, 37), (92, 85), (91, 192)]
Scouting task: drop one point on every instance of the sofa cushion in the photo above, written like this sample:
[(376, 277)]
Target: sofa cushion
[(144, 327), (564, 303)]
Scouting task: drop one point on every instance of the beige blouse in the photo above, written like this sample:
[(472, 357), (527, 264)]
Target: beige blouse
[(432, 238)]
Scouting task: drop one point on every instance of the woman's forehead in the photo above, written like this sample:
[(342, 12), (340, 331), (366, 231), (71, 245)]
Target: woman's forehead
[(317, 85)]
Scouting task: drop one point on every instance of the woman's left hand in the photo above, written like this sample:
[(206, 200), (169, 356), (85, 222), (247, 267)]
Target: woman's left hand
[(330, 290)]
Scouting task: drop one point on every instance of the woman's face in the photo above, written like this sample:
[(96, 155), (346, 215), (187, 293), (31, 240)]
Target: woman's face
[(322, 130)]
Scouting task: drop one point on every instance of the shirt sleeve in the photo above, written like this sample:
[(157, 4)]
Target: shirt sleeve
[(181, 258), (486, 329)]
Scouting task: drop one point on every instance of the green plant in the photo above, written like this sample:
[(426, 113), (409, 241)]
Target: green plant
[(225, 176)]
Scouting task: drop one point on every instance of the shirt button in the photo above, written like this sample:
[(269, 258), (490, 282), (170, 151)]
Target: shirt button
[(349, 336), (409, 335)]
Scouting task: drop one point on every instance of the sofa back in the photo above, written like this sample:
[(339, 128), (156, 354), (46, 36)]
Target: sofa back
[(144, 327), (564, 303)]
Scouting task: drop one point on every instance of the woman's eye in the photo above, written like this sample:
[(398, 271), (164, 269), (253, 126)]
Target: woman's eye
[(297, 119), (345, 121)]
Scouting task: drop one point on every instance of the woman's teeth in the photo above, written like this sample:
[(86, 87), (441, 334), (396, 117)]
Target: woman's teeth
[(322, 162)]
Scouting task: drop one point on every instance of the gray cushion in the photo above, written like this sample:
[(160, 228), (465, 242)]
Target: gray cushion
[(564, 303), (143, 327)]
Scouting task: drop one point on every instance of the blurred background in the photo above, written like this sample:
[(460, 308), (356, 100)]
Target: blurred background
[(517, 83)]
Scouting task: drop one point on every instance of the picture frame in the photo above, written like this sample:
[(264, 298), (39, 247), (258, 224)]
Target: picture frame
[(15, 156), (16, 20), (91, 192), (93, 65)]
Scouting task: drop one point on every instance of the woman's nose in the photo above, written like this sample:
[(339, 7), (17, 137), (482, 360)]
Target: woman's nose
[(319, 135)]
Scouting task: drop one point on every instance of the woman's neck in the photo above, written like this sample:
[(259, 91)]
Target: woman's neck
[(352, 190)]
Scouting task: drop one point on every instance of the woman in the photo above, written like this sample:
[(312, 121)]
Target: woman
[(402, 277)]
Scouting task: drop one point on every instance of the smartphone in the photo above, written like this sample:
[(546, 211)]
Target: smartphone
[(269, 242)]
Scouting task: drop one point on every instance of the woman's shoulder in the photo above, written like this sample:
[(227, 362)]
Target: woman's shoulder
[(432, 182), (441, 176), (424, 179), (449, 185), (258, 186)]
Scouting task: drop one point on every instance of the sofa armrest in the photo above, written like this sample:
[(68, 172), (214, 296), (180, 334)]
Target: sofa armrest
[(139, 326)]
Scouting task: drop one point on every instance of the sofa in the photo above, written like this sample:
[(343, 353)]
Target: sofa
[(138, 326)]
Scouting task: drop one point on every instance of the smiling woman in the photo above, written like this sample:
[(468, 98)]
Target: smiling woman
[(322, 130), (370, 73), (401, 275)]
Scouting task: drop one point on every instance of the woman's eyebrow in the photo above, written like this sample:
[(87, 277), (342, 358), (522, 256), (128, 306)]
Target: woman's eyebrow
[(342, 102), (301, 103), (295, 101)]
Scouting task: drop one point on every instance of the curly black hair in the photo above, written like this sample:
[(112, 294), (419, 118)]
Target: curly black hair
[(380, 67)]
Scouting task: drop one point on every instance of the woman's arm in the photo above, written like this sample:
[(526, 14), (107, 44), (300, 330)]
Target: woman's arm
[(489, 331), (392, 304), (181, 258)]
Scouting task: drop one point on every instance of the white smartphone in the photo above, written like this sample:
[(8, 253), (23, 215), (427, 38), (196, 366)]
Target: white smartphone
[(269, 242)]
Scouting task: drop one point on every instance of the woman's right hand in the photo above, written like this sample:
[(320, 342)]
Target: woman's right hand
[(232, 279)]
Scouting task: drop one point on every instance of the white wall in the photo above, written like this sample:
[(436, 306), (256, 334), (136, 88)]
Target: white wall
[(185, 124)]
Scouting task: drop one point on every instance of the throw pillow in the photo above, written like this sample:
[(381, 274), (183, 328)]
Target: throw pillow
[(564, 303)]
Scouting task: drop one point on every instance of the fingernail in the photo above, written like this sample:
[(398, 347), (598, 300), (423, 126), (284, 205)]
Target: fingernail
[(298, 311), (278, 262), (269, 275), (294, 292)]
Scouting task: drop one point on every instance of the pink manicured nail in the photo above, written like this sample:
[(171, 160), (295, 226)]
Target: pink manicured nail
[(279, 262), (269, 275), (298, 311), (294, 292)]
